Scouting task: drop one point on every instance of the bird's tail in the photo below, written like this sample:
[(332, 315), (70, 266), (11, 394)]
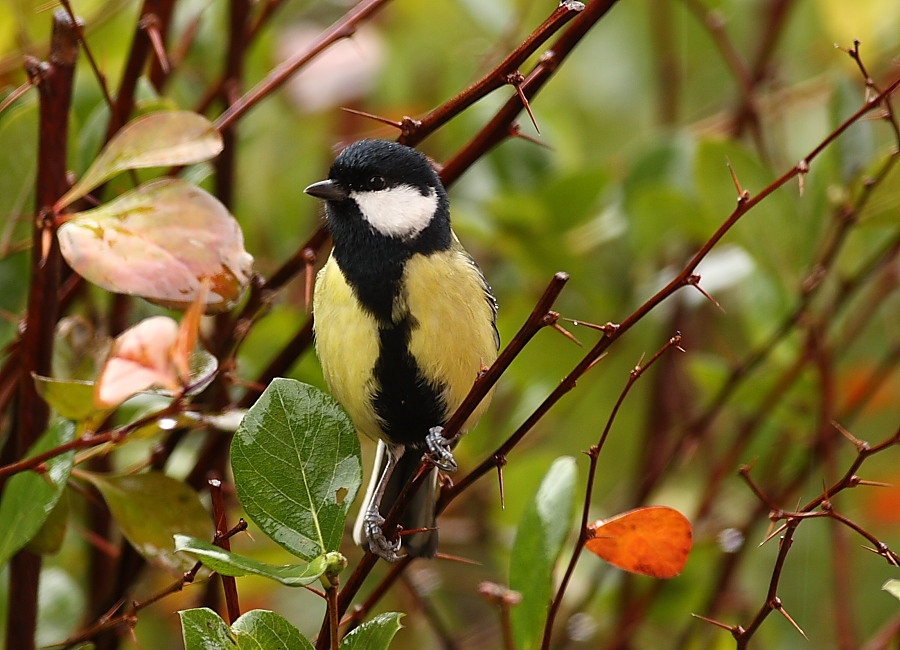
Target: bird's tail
[(420, 512)]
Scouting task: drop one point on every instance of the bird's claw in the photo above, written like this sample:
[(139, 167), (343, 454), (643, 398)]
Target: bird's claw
[(439, 450), (379, 544)]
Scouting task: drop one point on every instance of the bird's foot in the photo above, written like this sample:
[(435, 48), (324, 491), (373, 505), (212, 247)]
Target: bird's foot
[(439, 450), (379, 544)]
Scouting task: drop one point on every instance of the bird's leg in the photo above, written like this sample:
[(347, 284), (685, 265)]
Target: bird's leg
[(379, 544), (440, 450)]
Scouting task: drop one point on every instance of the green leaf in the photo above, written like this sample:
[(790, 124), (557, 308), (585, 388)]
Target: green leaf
[(375, 634), (18, 162), (29, 497), (543, 528), (154, 140), (203, 629), (151, 508), (232, 564), (50, 537), (892, 586), (260, 629), (297, 467), (159, 242), (71, 398)]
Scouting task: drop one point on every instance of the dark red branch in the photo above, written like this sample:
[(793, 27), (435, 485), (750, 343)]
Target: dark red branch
[(56, 79)]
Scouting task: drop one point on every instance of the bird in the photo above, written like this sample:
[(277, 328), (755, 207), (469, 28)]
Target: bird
[(405, 323)]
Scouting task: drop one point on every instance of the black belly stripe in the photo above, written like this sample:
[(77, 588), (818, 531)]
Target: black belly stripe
[(406, 403)]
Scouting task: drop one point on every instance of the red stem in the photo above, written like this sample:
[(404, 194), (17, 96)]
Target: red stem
[(55, 80)]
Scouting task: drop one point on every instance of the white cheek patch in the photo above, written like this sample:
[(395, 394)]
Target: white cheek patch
[(401, 211)]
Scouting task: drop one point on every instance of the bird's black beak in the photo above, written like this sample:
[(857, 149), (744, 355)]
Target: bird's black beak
[(329, 190)]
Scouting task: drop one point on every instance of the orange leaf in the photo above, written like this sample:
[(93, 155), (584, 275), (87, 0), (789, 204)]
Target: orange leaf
[(188, 332), (653, 541)]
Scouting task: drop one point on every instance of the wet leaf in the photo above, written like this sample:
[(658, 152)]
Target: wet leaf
[(203, 629), (158, 139), (28, 497), (50, 537), (232, 564), (653, 541), (160, 242), (260, 628), (150, 508), (297, 467), (375, 634)]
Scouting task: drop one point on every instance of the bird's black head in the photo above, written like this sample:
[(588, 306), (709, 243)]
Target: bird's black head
[(386, 191)]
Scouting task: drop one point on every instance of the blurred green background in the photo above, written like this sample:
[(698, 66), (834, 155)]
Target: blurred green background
[(635, 177)]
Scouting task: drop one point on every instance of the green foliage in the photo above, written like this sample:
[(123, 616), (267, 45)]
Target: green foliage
[(643, 121), (232, 564), (376, 633), (29, 498), (297, 467), (155, 140), (542, 531), (150, 508), (257, 629)]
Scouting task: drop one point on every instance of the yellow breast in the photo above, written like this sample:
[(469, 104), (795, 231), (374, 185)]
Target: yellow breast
[(452, 336)]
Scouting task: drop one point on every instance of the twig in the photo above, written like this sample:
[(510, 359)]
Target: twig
[(594, 453), (229, 585), (343, 28)]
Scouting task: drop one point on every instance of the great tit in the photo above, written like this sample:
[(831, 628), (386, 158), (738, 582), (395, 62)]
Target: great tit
[(404, 323)]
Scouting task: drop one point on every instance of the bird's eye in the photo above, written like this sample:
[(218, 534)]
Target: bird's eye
[(377, 183)]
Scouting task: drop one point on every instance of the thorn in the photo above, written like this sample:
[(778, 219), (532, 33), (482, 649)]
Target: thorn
[(562, 330), (413, 531), (501, 461), (777, 605), (372, 116), (712, 621), (596, 361), (150, 24), (515, 131), (861, 445), (457, 558), (743, 195), (773, 533), (309, 259), (858, 481), (826, 500), (802, 171), (46, 243), (517, 79), (694, 281), (607, 328), (881, 549)]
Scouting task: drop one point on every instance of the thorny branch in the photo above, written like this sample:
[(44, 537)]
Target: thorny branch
[(149, 47)]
